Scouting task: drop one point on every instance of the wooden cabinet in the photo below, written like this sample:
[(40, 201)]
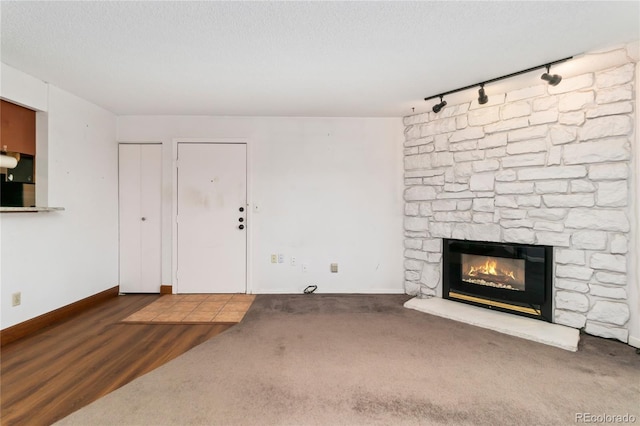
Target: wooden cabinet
[(18, 131)]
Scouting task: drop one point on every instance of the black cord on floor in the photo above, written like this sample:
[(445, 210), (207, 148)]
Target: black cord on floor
[(310, 289)]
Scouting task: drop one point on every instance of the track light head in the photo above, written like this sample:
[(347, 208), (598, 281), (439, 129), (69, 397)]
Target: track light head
[(482, 96), (553, 80), (438, 107)]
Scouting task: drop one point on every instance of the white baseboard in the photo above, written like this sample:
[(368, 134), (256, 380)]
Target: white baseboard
[(634, 341)]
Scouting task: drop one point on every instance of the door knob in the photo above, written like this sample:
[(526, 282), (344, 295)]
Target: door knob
[(241, 227), (241, 219), (241, 209), (143, 219)]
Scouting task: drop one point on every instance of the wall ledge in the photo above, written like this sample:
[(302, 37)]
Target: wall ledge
[(30, 209)]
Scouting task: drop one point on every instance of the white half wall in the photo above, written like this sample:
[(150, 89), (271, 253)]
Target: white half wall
[(327, 190), (55, 259)]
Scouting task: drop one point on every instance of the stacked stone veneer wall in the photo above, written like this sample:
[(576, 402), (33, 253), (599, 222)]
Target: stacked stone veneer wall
[(536, 165)]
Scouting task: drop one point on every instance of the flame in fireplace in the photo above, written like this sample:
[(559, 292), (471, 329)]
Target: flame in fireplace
[(489, 268)]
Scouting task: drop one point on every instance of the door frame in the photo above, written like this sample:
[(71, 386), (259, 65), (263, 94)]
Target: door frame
[(174, 204)]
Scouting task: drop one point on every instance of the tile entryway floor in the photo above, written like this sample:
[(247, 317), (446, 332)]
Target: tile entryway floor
[(194, 309)]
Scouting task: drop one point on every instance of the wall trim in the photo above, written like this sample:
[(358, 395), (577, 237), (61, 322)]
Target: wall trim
[(36, 324), (166, 289)]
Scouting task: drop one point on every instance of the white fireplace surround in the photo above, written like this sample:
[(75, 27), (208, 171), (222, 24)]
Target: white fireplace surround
[(537, 164)]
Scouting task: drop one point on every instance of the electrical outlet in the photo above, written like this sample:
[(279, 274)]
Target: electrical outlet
[(274, 258), (294, 261), (334, 268), (305, 267), (16, 299), (280, 258)]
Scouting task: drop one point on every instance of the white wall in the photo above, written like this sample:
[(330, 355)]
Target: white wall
[(23, 89), (328, 190), (55, 259)]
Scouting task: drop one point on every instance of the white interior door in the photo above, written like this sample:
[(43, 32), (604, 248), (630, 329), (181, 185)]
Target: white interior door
[(140, 206), (212, 198)]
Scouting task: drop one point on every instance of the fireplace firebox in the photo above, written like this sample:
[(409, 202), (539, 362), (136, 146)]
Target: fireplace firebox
[(514, 278)]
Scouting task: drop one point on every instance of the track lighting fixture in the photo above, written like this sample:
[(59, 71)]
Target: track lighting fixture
[(553, 80), (438, 107), (482, 97)]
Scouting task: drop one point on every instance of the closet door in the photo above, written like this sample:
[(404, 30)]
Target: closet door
[(140, 206)]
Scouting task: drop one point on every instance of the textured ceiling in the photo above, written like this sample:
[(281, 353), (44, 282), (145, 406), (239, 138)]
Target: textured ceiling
[(294, 58)]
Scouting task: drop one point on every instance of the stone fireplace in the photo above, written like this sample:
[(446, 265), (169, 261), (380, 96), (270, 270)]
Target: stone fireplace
[(514, 278), (537, 165)]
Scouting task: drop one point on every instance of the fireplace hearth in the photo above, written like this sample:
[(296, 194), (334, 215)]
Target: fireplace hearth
[(514, 278)]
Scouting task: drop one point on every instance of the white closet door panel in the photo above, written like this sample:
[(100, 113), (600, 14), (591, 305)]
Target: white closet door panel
[(151, 211), (129, 213), (140, 206)]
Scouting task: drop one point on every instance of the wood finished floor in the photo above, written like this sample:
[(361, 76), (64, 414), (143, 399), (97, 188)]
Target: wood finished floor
[(49, 375)]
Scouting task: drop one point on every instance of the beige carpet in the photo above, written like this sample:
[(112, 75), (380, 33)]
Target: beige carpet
[(363, 360), (194, 309)]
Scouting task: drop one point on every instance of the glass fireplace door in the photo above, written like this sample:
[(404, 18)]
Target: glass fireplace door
[(497, 272)]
